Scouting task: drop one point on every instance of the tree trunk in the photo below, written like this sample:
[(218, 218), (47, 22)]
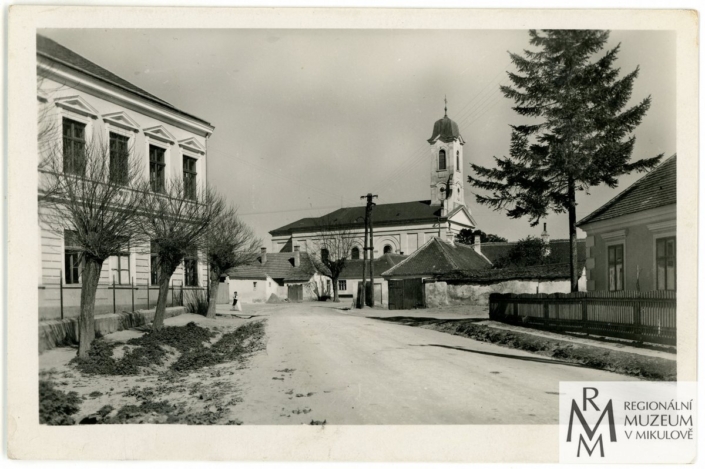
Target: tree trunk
[(89, 285), (335, 290), (573, 232), (214, 285), (165, 273)]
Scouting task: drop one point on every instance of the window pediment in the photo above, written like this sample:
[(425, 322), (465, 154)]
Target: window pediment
[(193, 145), (78, 105), (159, 132), (121, 119)]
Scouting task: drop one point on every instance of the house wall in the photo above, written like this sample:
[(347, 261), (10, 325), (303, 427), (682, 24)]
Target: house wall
[(247, 292), (444, 294), (638, 234), (53, 90), (350, 293)]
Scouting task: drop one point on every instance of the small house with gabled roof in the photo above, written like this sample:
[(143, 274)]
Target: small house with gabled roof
[(631, 240)]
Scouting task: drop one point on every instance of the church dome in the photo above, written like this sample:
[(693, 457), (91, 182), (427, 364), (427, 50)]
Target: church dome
[(446, 130)]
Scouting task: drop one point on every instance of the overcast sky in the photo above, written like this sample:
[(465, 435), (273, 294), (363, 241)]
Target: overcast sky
[(307, 120)]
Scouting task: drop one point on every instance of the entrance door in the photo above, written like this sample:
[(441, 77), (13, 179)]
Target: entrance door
[(406, 294), (295, 292)]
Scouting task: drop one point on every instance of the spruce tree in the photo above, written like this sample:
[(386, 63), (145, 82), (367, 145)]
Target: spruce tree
[(581, 134)]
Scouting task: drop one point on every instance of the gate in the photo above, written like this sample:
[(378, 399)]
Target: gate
[(295, 292), (406, 294), (223, 293)]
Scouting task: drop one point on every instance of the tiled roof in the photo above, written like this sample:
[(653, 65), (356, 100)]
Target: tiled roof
[(656, 189), (560, 250), (438, 257), (383, 214), (537, 272), (353, 268), (279, 266), (54, 51)]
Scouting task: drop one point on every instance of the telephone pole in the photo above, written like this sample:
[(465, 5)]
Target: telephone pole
[(368, 247), (370, 206)]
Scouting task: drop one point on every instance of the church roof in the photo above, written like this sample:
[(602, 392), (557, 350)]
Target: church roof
[(438, 257), (383, 214), (446, 130)]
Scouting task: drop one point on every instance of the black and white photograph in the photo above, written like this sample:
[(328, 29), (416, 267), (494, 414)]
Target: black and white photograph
[(272, 226)]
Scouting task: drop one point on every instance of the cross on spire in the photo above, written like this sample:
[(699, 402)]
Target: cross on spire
[(445, 98)]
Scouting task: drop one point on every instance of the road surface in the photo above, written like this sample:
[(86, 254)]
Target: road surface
[(322, 363)]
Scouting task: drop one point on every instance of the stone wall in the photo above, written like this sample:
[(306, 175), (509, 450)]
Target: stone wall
[(444, 294), (60, 332)]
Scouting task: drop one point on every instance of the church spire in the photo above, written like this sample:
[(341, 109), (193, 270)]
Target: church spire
[(445, 98)]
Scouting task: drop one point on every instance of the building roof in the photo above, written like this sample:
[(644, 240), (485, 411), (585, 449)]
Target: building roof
[(279, 266), (560, 250), (535, 272), (656, 189), (353, 268), (54, 51), (438, 257), (446, 130), (383, 214)]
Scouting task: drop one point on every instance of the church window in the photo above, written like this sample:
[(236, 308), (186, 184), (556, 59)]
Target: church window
[(387, 249), (457, 160), (441, 160), (355, 253), (325, 254)]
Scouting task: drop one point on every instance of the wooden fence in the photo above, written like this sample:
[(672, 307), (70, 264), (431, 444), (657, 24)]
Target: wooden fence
[(642, 316)]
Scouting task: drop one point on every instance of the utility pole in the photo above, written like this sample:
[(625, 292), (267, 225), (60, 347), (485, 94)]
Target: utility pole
[(370, 206), (368, 228)]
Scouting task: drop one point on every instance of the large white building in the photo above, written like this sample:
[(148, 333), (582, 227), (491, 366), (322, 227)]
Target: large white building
[(86, 102), (403, 227)]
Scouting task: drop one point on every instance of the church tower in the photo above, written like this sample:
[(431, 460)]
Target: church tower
[(446, 164)]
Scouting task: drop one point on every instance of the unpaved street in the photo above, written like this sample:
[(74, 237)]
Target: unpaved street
[(324, 364)]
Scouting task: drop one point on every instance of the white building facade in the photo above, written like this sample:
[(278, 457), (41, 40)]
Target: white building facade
[(86, 103)]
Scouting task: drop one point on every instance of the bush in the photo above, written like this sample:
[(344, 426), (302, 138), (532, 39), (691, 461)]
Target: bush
[(197, 303), (56, 407)]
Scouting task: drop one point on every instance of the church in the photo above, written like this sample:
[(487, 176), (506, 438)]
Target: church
[(399, 228)]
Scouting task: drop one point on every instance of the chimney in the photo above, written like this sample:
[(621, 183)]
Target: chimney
[(545, 236), (297, 257), (477, 242), (263, 257)]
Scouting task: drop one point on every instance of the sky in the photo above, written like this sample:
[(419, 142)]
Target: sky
[(307, 121)]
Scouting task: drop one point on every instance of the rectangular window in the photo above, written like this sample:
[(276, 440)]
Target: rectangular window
[(254, 286), (190, 177), (74, 140), (342, 285), (154, 263), (191, 269), (121, 265), (157, 168), (72, 258), (615, 267), (666, 263), (119, 157)]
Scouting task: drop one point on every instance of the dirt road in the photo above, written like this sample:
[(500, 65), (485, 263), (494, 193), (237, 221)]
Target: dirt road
[(323, 364)]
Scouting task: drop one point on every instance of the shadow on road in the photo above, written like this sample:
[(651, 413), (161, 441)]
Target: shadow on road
[(418, 321), (503, 355)]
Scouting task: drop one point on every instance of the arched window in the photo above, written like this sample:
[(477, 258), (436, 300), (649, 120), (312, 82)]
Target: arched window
[(457, 160), (324, 254), (355, 253), (388, 249), (441, 160)]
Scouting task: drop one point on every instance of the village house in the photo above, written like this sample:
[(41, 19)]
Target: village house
[(287, 275), (352, 276), (86, 103), (443, 273), (399, 228), (631, 240)]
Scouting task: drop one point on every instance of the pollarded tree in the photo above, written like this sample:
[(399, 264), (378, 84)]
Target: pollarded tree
[(229, 243), (332, 249), (582, 135), (90, 194), (177, 215)]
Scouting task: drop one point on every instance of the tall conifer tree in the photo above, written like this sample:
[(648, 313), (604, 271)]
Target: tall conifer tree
[(581, 135)]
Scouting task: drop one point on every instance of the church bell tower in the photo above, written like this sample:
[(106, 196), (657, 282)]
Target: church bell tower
[(446, 164)]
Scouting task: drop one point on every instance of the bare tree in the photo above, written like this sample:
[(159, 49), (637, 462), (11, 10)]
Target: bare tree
[(176, 217), (332, 250), (90, 194), (229, 243)]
